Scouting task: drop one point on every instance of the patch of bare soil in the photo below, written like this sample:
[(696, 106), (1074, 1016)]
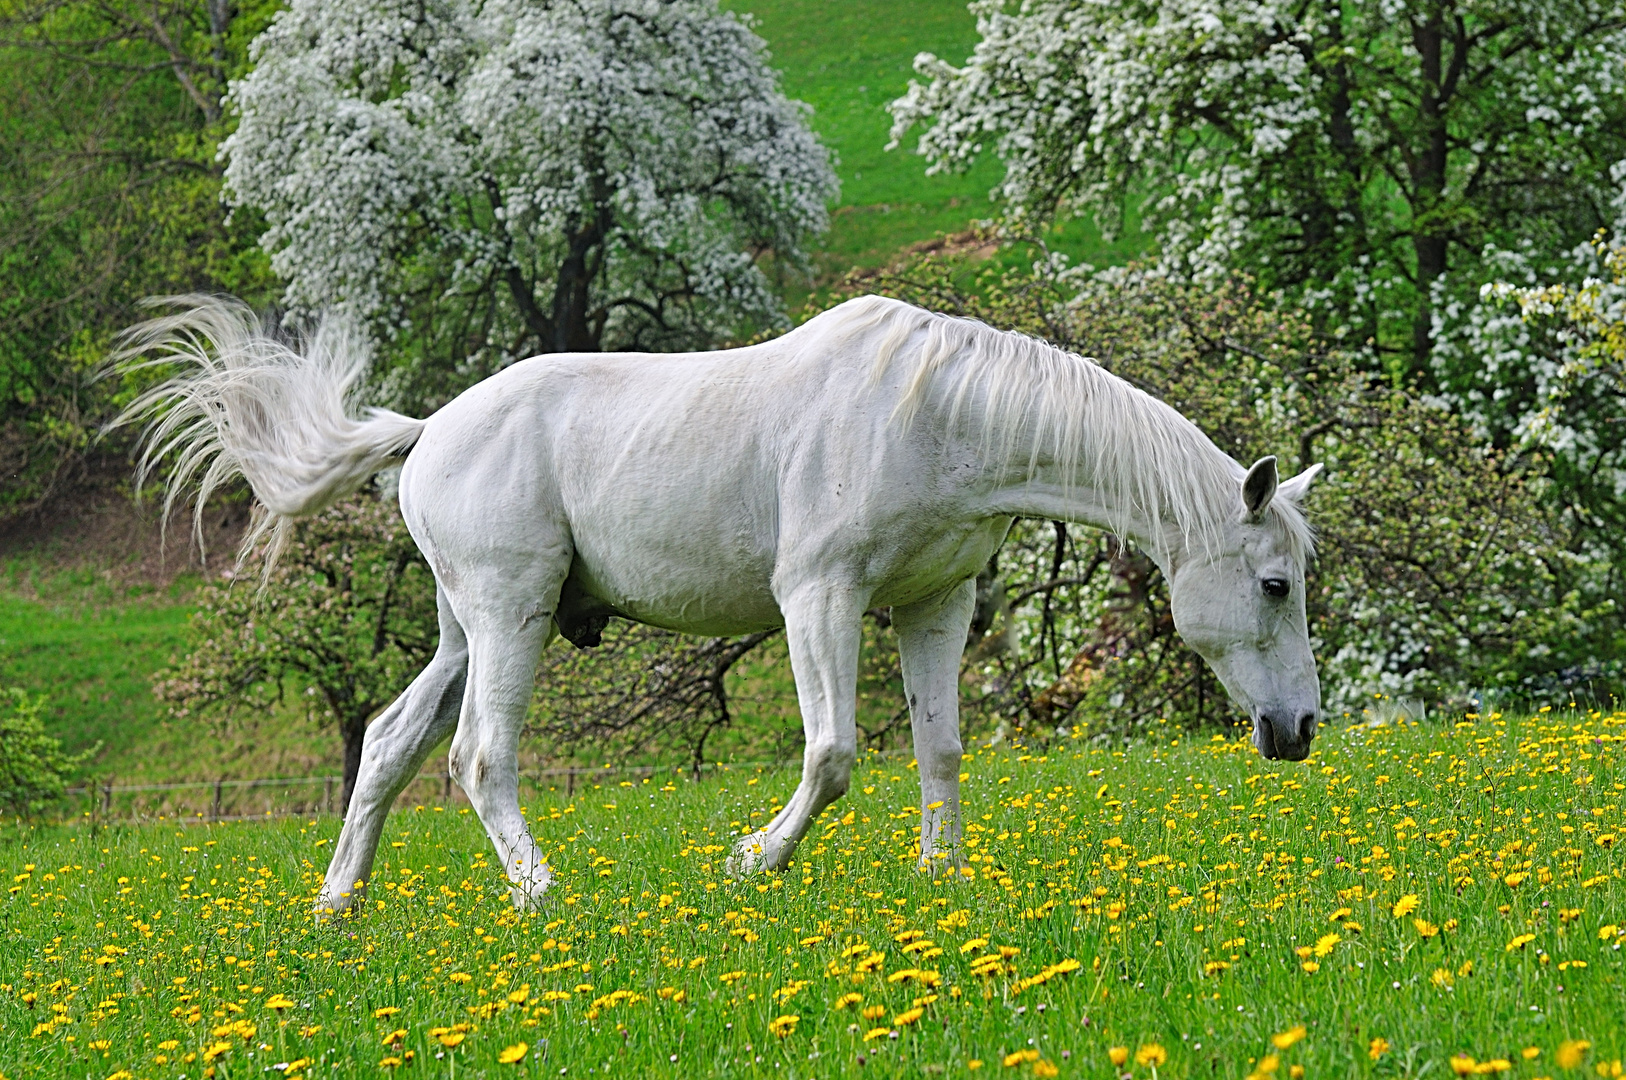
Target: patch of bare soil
[(99, 527)]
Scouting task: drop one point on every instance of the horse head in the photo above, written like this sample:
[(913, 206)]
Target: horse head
[(1238, 600)]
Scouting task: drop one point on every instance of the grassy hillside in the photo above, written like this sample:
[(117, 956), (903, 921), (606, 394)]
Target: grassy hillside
[(1410, 902), (848, 60)]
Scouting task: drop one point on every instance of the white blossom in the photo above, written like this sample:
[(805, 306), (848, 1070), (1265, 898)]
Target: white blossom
[(538, 175)]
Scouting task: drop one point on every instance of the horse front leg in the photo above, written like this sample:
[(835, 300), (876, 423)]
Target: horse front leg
[(822, 629), (931, 639)]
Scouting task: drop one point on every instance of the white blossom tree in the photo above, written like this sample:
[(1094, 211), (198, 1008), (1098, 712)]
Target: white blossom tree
[(486, 179), (1363, 155)]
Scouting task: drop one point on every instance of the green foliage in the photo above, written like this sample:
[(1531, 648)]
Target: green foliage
[(109, 191), (347, 617), (34, 770)]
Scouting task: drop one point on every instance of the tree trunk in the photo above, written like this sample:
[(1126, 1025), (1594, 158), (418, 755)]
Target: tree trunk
[(1429, 238), (354, 732)]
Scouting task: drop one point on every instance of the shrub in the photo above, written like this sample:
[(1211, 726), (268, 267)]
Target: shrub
[(34, 770)]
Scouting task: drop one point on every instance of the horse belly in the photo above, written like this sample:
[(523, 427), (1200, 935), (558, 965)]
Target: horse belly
[(685, 571)]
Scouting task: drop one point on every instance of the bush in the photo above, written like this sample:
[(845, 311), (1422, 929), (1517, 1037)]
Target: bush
[(34, 771)]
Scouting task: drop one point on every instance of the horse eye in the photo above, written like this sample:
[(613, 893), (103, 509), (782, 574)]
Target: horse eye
[(1275, 586)]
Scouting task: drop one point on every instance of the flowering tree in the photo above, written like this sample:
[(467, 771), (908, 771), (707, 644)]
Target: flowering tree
[(512, 177), (1363, 156)]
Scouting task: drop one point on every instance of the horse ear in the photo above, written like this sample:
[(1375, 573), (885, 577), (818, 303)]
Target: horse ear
[(1293, 489), (1258, 488)]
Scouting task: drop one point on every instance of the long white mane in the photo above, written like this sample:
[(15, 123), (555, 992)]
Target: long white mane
[(1150, 461)]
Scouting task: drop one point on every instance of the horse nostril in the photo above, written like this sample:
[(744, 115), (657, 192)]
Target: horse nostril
[(1307, 726)]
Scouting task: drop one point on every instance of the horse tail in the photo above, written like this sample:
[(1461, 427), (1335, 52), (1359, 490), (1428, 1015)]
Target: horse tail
[(241, 399)]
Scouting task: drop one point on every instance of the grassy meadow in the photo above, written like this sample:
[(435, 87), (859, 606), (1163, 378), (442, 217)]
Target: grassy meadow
[(1418, 899)]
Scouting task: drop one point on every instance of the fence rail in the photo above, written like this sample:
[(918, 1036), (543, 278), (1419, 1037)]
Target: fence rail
[(257, 799)]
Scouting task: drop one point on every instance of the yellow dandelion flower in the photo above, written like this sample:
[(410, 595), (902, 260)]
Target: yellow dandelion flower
[(1425, 928), (1530, 1053), (1045, 1069), (1268, 1065), (909, 1016), (1020, 1057), (395, 1036), (1325, 944), (874, 1012), (847, 999), (1571, 1052), (783, 1025), (1282, 1040), (388, 1010), (1405, 905), (1520, 941), (1310, 966), (1118, 1055), (278, 1002), (1151, 1054), (1377, 1048), (1495, 1065), (1462, 1064), (512, 1055), (876, 1033)]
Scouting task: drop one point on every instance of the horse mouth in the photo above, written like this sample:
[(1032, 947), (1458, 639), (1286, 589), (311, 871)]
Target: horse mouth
[(1264, 737)]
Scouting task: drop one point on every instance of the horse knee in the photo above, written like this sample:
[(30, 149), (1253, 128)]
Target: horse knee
[(940, 762), (830, 767)]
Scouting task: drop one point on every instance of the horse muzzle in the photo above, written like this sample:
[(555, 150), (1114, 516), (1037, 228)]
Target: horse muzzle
[(1286, 736)]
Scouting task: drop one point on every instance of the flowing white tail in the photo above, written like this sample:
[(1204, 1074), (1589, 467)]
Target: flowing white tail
[(246, 402)]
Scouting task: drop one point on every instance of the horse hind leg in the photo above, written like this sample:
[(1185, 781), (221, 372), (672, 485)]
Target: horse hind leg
[(393, 750), (931, 639), (505, 641)]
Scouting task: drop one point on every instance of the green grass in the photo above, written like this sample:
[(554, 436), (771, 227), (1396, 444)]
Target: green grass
[(848, 60), (1182, 897), (90, 642)]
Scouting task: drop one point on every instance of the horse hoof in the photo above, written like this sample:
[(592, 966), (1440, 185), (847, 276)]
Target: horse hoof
[(750, 856)]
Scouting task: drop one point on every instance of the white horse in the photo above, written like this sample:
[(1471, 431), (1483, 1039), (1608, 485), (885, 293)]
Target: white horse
[(875, 456)]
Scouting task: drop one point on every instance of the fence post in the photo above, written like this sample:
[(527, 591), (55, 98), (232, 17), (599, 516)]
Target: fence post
[(107, 796), (446, 787), (327, 799), (214, 811)]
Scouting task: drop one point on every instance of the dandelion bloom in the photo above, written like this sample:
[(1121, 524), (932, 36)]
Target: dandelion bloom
[(1425, 928), (388, 1010), (1325, 943), (1462, 1064), (278, 1002), (909, 1016), (1520, 941), (451, 1038), (1405, 905), (783, 1025), (1377, 1048), (394, 1036), (1283, 1040), (1151, 1054), (1571, 1051), (1045, 1069), (1012, 1060), (510, 1055), (1118, 1054)]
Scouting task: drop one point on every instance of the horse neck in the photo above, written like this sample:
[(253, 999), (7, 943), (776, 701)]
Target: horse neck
[(1022, 484)]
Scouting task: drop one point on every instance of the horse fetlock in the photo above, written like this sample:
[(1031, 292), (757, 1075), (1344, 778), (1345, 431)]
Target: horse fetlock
[(757, 852)]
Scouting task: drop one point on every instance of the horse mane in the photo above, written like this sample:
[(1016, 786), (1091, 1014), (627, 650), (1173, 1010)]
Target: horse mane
[(1101, 429)]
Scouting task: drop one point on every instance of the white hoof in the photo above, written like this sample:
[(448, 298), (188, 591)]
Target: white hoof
[(750, 856), (530, 894)]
